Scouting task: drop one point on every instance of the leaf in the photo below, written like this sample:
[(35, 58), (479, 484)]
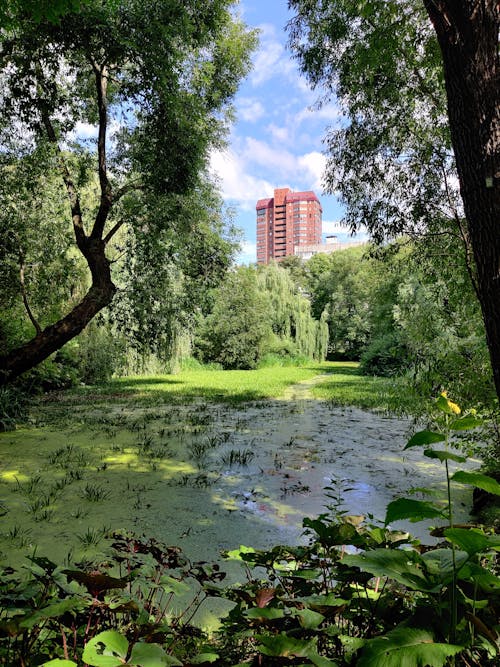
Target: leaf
[(58, 662), (150, 655), (414, 510), (53, 610), (203, 658), (266, 613), (477, 479), (439, 562), (107, 649), (264, 596), (465, 423), (444, 456), (410, 647), (402, 566), (309, 619), (471, 540), (286, 647), (424, 438)]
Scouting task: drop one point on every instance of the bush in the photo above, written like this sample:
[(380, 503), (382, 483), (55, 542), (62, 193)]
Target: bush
[(13, 407), (385, 356)]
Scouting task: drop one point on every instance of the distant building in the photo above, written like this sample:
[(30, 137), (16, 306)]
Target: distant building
[(287, 221)]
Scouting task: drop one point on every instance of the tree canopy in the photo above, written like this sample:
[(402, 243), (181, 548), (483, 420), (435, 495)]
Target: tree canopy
[(152, 84), (408, 100)]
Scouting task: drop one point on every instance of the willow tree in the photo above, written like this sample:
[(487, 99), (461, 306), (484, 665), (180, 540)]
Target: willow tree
[(154, 81)]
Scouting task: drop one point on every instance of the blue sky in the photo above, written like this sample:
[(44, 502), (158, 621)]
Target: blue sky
[(277, 140)]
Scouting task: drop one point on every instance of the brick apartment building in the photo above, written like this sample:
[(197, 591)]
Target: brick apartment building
[(286, 221)]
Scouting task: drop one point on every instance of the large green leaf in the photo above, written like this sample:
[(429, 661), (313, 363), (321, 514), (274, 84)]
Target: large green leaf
[(286, 647), (477, 479), (309, 619), (424, 438), (465, 423), (406, 647), (439, 562), (58, 662), (265, 613), (472, 540), (414, 510), (151, 655), (400, 565), (443, 456), (107, 649), (54, 610)]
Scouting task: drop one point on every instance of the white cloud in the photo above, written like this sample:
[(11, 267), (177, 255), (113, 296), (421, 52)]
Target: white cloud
[(237, 184), (271, 58), (250, 109), (314, 166), (279, 133)]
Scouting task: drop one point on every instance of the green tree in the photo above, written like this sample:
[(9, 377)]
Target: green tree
[(235, 332), (156, 81), (392, 159)]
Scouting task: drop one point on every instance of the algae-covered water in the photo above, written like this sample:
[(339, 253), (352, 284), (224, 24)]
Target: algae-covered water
[(202, 476)]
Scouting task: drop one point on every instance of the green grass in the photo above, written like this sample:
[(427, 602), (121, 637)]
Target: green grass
[(344, 385), (218, 385)]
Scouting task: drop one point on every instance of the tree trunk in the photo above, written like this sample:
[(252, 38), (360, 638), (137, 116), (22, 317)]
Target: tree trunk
[(53, 337), (467, 31)]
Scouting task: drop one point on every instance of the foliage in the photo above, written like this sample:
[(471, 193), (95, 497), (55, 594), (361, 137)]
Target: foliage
[(13, 407), (153, 83), (256, 312), (390, 159), (392, 602), (67, 613)]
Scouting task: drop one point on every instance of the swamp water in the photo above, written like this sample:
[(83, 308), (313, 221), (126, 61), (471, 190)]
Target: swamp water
[(205, 477)]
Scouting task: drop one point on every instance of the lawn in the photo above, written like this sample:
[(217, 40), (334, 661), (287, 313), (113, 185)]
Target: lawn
[(341, 384)]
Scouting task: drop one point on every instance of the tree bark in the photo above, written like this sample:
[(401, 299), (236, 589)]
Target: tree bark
[(53, 337), (468, 31)]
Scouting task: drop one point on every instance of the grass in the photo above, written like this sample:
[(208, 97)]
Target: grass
[(346, 386), (343, 386)]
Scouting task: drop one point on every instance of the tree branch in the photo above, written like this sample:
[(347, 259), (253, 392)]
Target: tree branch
[(101, 82), (74, 199), (113, 231)]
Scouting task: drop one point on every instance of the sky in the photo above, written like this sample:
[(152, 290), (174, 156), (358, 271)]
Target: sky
[(277, 139)]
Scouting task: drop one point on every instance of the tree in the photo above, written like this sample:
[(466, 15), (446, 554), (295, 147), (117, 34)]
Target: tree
[(235, 332), (156, 81), (392, 159), (467, 31)]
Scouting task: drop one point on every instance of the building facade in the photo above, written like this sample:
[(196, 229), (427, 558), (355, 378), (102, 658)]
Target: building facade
[(285, 222)]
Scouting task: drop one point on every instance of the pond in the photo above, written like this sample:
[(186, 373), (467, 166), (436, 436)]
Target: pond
[(202, 476)]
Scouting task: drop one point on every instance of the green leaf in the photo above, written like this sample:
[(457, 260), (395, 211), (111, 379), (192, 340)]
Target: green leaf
[(439, 562), (408, 647), (465, 423), (53, 611), (150, 655), (203, 658), (309, 619), (444, 456), (471, 540), (424, 438), (414, 510), (267, 613), (400, 565), (286, 647), (58, 662), (477, 479), (107, 649)]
